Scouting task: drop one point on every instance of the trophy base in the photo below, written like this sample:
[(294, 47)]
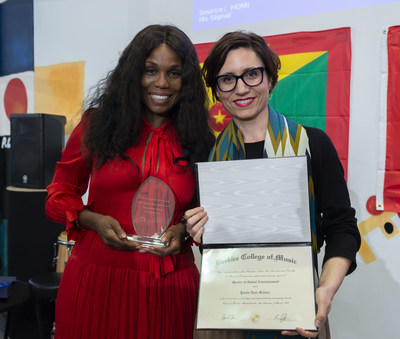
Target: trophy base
[(147, 240)]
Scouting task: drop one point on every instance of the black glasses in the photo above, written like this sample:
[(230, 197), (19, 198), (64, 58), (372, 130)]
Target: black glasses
[(227, 82)]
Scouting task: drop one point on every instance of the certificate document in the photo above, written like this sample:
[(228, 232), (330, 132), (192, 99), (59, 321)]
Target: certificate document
[(258, 266), (257, 288)]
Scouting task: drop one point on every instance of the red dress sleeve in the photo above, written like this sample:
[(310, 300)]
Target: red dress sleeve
[(70, 182)]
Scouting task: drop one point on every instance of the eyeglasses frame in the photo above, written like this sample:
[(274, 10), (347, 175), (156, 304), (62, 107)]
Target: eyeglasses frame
[(237, 77)]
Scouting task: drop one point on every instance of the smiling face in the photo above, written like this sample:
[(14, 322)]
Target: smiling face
[(162, 84), (245, 103)]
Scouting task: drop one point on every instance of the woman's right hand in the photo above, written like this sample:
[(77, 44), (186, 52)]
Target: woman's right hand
[(108, 229), (196, 218)]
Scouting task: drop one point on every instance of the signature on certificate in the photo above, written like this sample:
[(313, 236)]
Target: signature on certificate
[(281, 317), (228, 316)]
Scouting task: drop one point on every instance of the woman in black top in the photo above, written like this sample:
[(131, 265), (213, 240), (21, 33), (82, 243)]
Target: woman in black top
[(242, 72)]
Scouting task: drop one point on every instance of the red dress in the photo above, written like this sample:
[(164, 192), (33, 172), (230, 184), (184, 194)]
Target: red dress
[(108, 293)]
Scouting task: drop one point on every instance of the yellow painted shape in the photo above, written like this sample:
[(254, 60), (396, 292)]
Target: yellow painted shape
[(370, 224), (59, 89), (219, 118), (211, 101), (290, 63)]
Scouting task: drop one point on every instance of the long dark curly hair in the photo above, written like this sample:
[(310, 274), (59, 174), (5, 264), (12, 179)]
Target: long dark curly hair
[(116, 110)]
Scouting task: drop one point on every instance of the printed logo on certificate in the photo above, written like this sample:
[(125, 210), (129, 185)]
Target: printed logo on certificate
[(258, 264)]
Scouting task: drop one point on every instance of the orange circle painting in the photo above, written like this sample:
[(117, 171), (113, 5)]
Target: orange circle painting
[(15, 97)]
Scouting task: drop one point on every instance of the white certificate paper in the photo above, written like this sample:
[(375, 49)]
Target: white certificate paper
[(255, 201), (268, 288)]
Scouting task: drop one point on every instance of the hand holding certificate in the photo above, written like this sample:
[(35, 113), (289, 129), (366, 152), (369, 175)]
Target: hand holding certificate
[(257, 267)]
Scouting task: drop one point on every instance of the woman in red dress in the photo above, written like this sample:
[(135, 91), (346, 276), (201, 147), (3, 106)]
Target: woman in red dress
[(146, 119)]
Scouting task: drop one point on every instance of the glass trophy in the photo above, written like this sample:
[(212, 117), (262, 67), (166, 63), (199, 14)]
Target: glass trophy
[(152, 210)]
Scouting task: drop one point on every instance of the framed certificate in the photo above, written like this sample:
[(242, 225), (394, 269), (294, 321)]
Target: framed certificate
[(258, 265)]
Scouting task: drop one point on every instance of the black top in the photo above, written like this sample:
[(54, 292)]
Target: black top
[(254, 150), (334, 217)]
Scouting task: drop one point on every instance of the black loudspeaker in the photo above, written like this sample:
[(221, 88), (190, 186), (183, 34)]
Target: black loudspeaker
[(31, 236), (36, 144)]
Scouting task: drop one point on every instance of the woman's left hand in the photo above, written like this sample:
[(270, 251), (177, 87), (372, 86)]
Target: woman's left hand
[(174, 235), (333, 273), (324, 300)]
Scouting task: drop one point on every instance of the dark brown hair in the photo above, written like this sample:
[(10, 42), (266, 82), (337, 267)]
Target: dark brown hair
[(233, 40)]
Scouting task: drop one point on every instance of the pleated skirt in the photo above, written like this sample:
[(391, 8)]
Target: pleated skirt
[(106, 293)]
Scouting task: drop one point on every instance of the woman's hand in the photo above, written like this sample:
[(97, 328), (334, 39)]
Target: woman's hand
[(324, 301), (195, 218), (333, 273), (174, 235), (108, 229)]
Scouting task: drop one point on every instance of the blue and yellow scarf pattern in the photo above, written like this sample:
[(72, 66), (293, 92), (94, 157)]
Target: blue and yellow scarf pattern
[(284, 138)]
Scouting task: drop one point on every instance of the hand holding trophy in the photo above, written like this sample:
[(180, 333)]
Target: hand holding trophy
[(152, 210)]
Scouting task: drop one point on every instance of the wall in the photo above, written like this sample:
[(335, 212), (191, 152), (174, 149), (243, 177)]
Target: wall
[(95, 31)]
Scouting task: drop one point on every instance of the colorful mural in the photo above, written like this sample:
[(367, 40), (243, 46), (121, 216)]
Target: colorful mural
[(16, 61), (59, 90)]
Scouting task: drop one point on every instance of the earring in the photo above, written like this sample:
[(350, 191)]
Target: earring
[(270, 96), (220, 105)]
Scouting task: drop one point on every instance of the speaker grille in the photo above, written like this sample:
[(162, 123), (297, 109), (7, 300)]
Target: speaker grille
[(36, 144)]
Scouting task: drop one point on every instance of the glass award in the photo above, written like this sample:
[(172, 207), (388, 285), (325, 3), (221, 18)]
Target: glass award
[(152, 210)]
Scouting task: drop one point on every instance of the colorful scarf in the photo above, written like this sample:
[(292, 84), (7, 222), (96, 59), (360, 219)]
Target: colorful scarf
[(284, 138)]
